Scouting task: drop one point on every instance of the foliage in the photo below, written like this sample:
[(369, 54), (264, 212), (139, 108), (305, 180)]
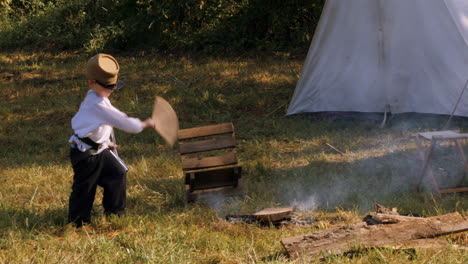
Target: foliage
[(217, 25)]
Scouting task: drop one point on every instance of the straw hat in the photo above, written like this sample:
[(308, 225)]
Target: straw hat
[(103, 68)]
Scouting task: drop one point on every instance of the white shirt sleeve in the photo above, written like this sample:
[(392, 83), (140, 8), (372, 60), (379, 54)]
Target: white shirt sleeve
[(114, 117)]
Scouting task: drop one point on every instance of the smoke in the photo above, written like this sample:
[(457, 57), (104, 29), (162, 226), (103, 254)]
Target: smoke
[(313, 195), (308, 204), (382, 169), (220, 203)]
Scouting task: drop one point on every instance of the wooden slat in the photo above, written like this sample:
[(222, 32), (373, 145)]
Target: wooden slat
[(236, 168), (207, 145), (455, 190), (226, 191), (214, 178), (205, 131), (199, 163)]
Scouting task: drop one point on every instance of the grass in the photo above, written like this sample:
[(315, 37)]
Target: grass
[(286, 161)]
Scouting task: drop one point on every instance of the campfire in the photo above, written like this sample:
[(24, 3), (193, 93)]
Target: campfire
[(384, 228), (275, 216)]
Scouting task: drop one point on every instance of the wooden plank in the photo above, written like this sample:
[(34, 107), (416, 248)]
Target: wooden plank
[(342, 239), (227, 191), (205, 131), (460, 136), (443, 135), (207, 162), (446, 134), (207, 145), (187, 173), (213, 178), (454, 190), (274, 214)]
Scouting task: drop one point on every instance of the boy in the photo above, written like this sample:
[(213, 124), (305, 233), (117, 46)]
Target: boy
[(91, 154)]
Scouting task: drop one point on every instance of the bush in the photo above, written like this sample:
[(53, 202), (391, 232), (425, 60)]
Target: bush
[(217, 25)]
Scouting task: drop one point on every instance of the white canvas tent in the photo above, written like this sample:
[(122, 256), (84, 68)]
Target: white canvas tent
[(387, 55)]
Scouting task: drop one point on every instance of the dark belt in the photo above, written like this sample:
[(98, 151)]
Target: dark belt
[(89, 141), (76, 155)]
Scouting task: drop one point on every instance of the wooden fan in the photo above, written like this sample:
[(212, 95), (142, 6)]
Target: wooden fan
[(165, 120)]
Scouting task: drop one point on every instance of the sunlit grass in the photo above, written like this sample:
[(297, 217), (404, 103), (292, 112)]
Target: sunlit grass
[(335, 169)]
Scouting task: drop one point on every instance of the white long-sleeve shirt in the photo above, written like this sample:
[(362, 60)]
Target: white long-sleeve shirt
[(96, 118)]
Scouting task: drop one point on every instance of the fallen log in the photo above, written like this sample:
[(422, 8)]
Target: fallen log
[(398, 231), (435, 245), (378, 218)]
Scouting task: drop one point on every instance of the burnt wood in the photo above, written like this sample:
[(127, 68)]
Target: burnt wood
[(205, 131), (207, 145), (207, 162)]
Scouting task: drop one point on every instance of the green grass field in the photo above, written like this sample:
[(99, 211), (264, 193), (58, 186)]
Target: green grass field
[(287, 161)]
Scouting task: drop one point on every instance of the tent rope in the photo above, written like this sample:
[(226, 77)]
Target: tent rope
[(387, 109), (456, 106)]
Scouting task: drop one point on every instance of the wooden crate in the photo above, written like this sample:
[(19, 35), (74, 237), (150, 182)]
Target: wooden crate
[(209, 159)]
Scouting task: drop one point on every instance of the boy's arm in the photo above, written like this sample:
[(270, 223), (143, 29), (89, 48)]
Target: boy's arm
[(120, 120)]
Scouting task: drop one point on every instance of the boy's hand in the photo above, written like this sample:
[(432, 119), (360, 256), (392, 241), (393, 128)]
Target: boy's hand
[(112, 146), (148, 123)]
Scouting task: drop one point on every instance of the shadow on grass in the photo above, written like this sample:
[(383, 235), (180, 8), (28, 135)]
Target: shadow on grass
[(30, 220)]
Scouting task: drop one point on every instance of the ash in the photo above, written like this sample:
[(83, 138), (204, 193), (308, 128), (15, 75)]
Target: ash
[(296, 219)]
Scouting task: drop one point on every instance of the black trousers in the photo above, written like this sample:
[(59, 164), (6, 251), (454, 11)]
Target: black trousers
[(104, 170)]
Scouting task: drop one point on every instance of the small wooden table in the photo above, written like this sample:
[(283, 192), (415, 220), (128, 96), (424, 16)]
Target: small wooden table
[(425, 153)]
